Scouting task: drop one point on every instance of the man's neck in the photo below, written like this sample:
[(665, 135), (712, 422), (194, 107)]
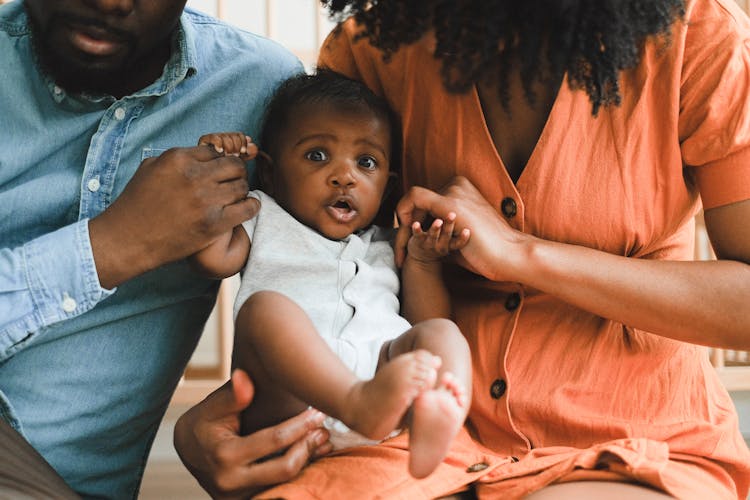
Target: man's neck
[(143, 74)]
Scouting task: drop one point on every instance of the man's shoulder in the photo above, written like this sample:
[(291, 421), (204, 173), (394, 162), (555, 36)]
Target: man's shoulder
[(225, 42), (13, 20)]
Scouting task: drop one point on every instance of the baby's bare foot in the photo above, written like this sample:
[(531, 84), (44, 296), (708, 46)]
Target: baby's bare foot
[(437, 416), (376, 406)]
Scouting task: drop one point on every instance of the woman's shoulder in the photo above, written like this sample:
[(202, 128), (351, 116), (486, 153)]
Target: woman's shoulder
[(346, 51)]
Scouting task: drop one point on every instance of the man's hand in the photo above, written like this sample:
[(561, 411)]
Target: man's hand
[(173, 206), (228, 465)]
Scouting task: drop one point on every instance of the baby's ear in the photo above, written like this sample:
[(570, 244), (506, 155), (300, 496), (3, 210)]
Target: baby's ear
[(391, 197), (264, 164), (393, 186)]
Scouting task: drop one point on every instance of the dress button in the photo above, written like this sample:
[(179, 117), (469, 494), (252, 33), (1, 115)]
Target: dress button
[(497, 389), (93, 185), (477, 467), (68, 304), (119, 113), (513, 301), (509, 208)]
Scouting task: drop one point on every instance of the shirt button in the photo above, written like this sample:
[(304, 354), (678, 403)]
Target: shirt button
[(57, 90), (93, 185), (497, 389), (509, 208), (513, 301), (69, 304), (119, 113), (477, 467)]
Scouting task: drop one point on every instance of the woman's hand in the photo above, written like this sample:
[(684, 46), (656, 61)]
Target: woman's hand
[(494, 249), (228, 465)]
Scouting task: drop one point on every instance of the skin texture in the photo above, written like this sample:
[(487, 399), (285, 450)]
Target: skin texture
[(348, 163), (331, 178), (108, 46), (663, 297), (226, 464)]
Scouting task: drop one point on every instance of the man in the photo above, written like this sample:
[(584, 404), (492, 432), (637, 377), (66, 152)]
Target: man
[(98, 311)]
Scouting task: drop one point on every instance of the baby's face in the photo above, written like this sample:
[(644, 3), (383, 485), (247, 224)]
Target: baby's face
[(332, 169)]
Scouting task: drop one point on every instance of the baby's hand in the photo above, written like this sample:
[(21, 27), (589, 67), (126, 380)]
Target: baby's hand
[(438, 241), (231, 144)]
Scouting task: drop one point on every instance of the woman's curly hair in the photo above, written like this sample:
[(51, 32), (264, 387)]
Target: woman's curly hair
[(591, 40)]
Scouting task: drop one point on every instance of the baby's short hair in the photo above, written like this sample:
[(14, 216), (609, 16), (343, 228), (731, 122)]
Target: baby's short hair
[(325, 87), (329, 88)]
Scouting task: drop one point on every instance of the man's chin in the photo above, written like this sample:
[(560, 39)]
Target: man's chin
[(80, 78)]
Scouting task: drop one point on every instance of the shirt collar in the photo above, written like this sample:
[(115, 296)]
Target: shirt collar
[(182, 64)]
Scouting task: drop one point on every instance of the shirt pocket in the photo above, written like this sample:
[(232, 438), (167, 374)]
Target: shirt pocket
[(152, 152)]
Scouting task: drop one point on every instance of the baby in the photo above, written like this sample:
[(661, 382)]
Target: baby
[(317, 318)]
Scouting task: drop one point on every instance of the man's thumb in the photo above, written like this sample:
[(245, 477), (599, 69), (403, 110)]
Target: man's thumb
[(242, 389)]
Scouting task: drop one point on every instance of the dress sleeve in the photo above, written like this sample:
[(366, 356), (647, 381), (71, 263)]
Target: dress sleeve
[(47, 280), (356, 58), (715, 101), (336, 53)]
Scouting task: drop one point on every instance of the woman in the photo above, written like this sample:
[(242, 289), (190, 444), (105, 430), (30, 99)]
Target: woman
[(577, 140)]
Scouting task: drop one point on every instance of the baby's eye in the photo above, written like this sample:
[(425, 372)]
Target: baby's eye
[(316, 155), (367, 162)]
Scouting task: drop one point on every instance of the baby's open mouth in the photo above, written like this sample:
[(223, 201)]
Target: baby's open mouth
[(342, 210)]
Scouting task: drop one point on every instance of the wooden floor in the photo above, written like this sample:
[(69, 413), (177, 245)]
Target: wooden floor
[(167, 480)]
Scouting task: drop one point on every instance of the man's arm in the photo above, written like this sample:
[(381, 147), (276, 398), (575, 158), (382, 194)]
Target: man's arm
[(175, 205), (226, 255), (46, 280)]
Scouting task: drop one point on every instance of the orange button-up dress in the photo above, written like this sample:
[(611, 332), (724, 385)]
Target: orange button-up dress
[(561, 394)]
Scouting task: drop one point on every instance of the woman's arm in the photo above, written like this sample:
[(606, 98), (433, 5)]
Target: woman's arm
[(699, 302)]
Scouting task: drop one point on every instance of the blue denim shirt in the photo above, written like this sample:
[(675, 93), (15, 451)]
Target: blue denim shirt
[(86, 373)]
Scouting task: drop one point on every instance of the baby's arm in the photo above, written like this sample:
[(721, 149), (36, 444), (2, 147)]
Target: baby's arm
[(224, 257), (424, 294), (227, 255)]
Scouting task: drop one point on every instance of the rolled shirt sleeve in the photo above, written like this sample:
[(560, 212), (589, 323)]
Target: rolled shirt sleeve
[(49, 279)]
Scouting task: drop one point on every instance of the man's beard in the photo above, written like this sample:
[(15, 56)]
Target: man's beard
[(79, 73)]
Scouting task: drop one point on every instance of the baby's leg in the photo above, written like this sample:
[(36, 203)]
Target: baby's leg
[(437, 414), (276, 342), (272, 401)]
